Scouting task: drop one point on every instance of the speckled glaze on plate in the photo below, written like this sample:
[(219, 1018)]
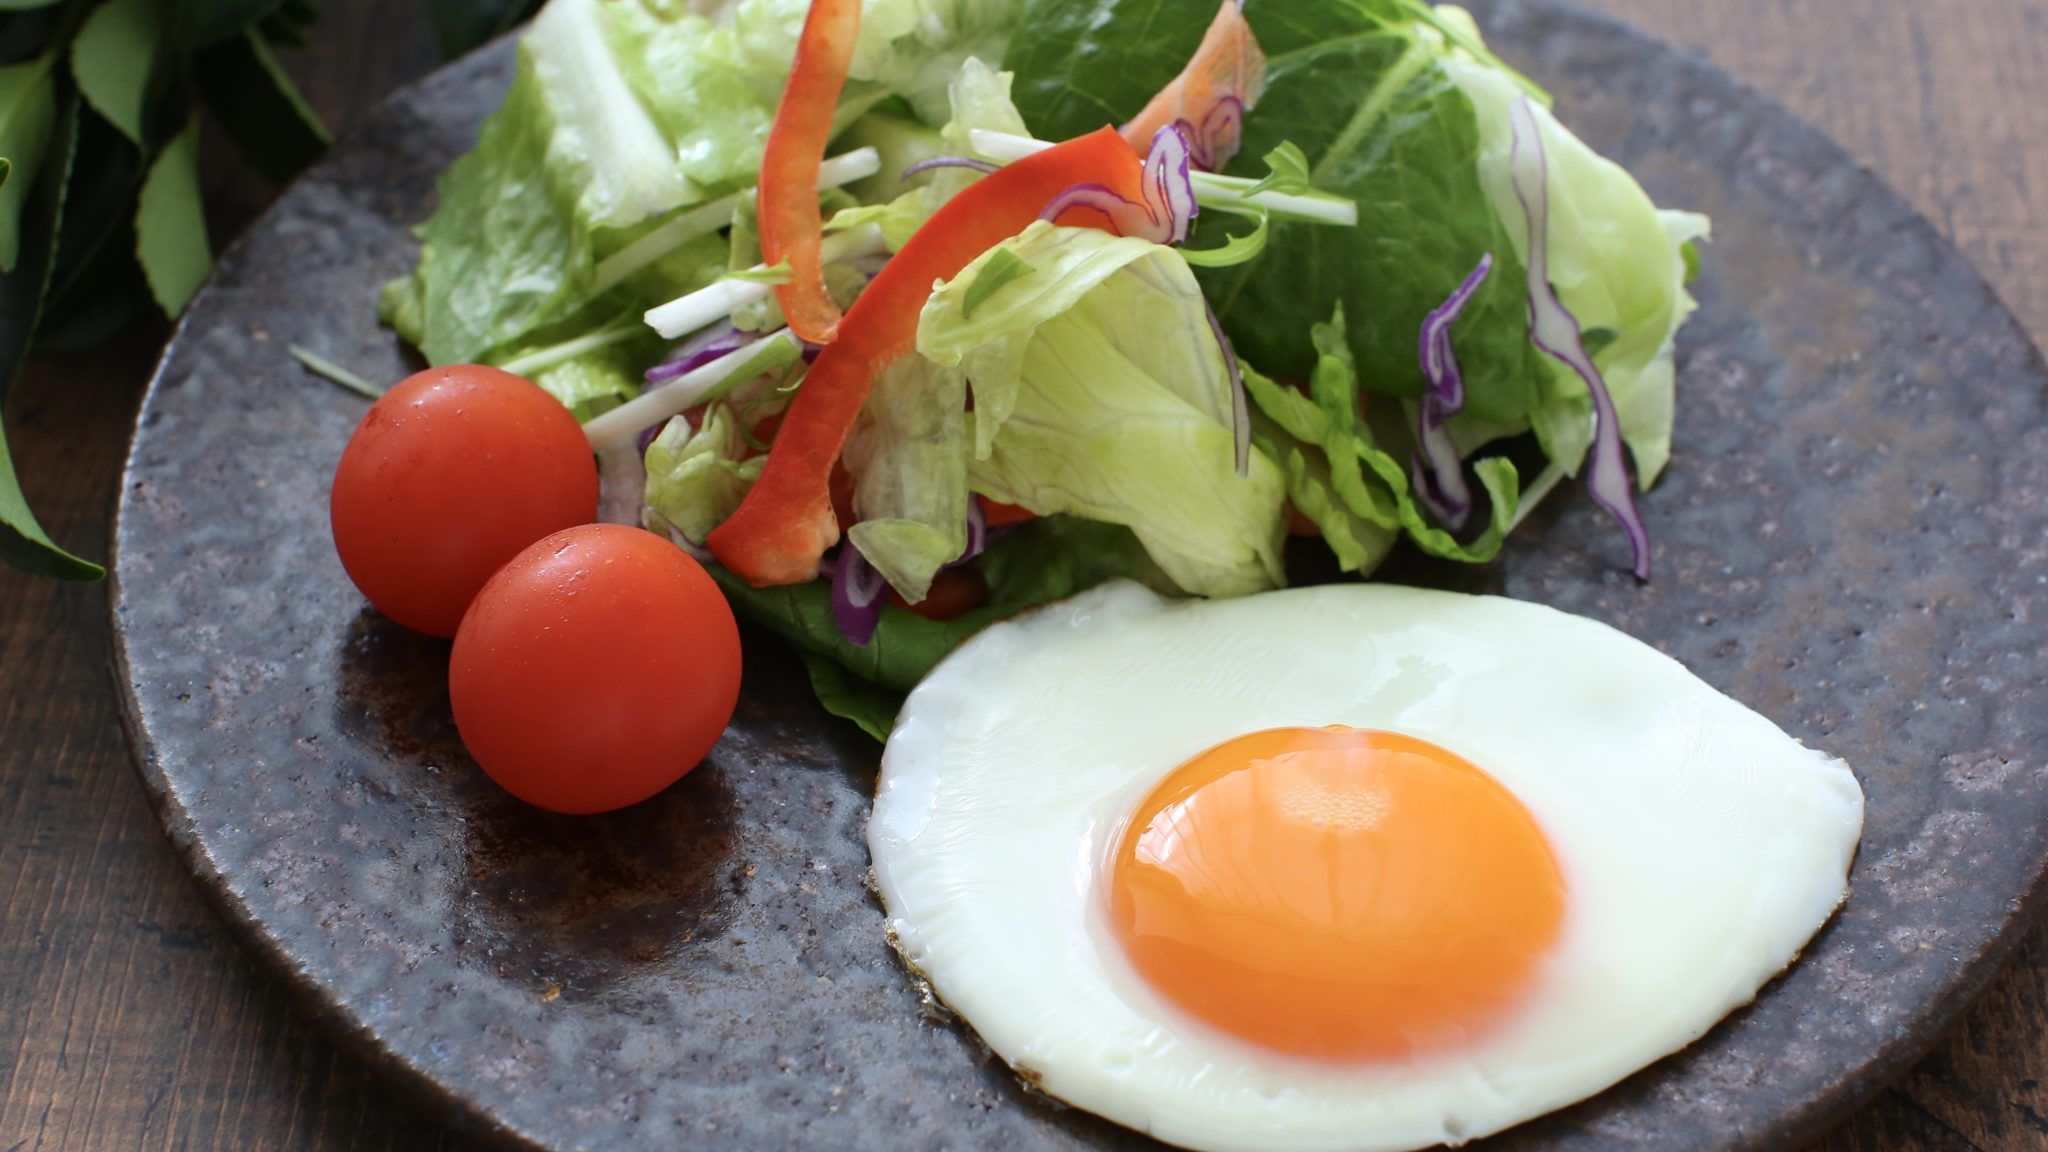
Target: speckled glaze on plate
[(1852, 538)]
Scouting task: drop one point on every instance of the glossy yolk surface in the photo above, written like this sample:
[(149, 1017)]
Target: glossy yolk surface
[(1336, 893)]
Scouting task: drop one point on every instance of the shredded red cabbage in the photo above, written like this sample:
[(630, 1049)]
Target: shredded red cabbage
[(699, 350), (646, 437), (1169, 190), (981, 166), (717, 340), (1438, 471), (977, 533), (1240, 407), (1556, 331), (858, 590), (1219, 137), (856, 595)]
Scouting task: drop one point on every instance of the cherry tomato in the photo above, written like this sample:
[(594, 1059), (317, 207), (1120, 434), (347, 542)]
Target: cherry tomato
[(595, 669), (449, 475), (954, 592)]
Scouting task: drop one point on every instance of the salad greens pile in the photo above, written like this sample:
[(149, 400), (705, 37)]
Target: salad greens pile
[(1081, 403)]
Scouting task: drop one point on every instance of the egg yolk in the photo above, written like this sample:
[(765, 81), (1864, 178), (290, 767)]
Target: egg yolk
[(1336, 893)]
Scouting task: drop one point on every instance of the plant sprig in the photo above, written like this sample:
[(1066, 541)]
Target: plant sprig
[(101, 218)]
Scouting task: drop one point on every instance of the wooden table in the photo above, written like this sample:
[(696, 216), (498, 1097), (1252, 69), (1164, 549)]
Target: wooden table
[(130, 1020)]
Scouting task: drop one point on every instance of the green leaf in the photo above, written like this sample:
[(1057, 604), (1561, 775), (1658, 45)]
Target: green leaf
[(1615, 261), (1001, 267), (1361, 88), (510, 249), (96, 245), (170, 227), (1083, 64), (23, 543), (114, 58), (1340, 476), (25, 5), (1100, 391), (1690, 253), (1359, 544), (602, 378), (1236, 249), (1286, 171), (846, 695), (28, 115), (258, 105)]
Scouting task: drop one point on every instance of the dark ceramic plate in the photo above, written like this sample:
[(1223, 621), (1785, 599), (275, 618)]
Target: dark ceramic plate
[(1853, 539)]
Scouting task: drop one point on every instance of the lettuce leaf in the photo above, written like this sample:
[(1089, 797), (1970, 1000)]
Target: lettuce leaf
[(696, 477), (1361, 87), (606, 157), (916, 47), (1358, 543), (1100, 392), (713, 100), (500, 257), (1615, 260), (595, 382), (979, 97), (619, 114), (1340, 477), (908, 459), (845, 695), (1401, 107)]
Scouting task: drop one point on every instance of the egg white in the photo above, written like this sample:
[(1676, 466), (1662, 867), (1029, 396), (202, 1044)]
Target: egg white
[(1701, 846)]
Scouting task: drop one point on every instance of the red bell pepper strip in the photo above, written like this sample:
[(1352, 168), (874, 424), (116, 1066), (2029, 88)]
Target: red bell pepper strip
[(785, 524), (1000, 515), (791, 226)]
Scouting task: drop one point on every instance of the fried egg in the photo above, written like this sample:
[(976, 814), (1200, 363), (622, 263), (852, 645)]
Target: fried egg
[(1359, 868)]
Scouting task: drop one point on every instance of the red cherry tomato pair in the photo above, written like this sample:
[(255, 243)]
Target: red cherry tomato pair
[(594, 664)]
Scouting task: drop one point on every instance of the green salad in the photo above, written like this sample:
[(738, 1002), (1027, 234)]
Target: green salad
[(910, 315)]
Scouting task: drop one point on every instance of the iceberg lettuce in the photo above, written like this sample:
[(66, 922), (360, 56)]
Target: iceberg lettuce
[(1360, 87), (1342, 478), (697, 476), (1616, 261), (1100, 392), (979, 97), (908, 459), (1400, 106), (620, 114)]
